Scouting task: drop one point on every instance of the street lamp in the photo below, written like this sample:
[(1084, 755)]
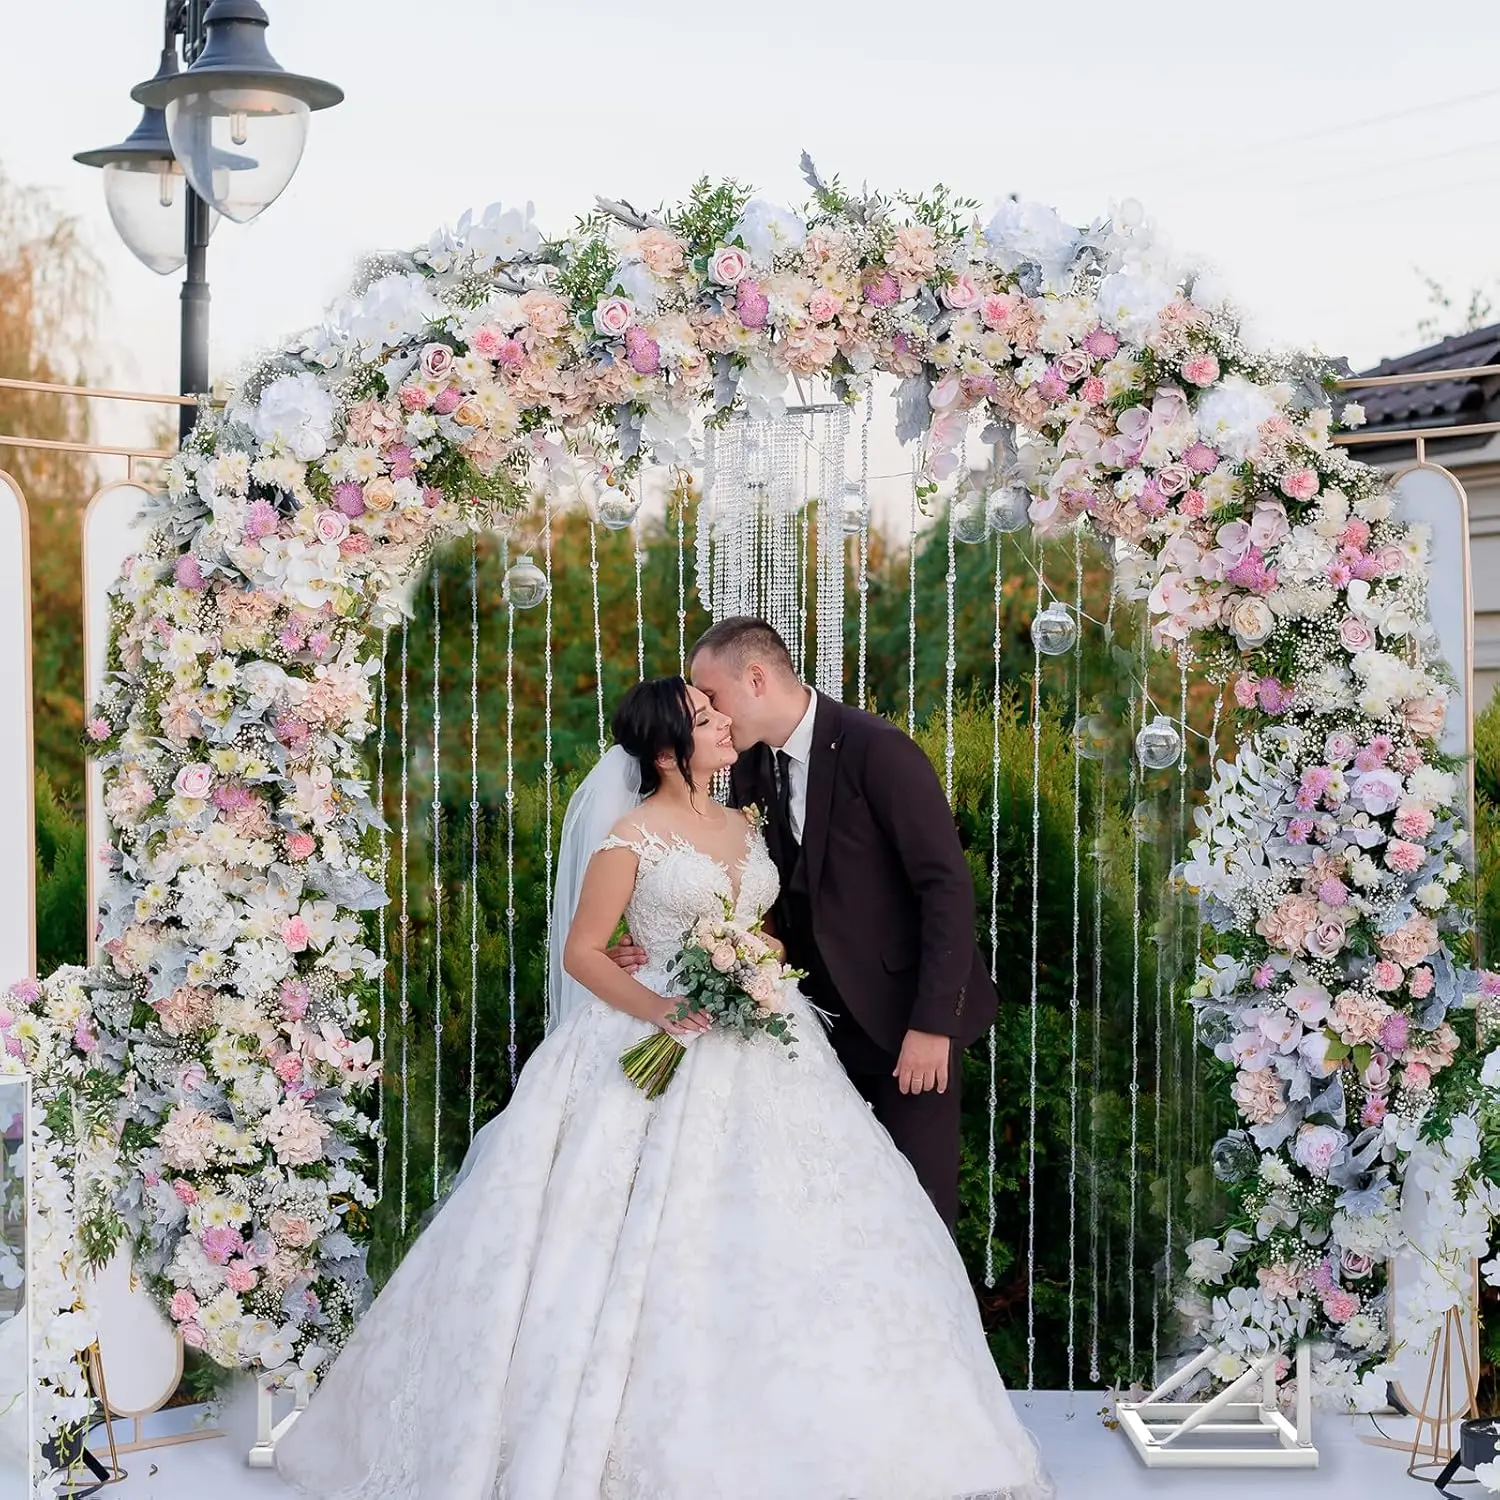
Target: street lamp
[(233, 124), (236, 118)]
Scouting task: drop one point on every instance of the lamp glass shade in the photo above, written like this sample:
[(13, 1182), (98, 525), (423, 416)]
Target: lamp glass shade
[(238, 146), (145, 201)]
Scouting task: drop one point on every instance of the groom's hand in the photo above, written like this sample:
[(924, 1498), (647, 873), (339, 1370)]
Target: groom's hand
[(923, 1064), (627, 954)]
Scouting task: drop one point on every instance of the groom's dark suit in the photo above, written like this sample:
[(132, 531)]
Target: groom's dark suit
[(877, 904)]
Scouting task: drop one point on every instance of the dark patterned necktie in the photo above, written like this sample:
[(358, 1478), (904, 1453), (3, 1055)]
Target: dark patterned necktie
[(784, 796)]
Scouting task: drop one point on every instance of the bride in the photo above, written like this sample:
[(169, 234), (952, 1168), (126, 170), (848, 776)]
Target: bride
[(736, 1292)]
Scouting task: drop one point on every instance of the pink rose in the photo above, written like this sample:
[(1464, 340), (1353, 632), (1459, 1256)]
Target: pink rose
[(1354, 635), (1355, 1265), (1403, 857), (1317, 1147), (184, 1305), (728, 265), (1340, 747), (1327, 938), (1425, 716), (1174, 479), (294, 934), (331, 526), (1073, 365), (1300, 484), (300, 845), (194, 780), (1387, 975), (1376, 1074), (613, 315), (823, 306), (961, 293), (1201, 369), (1389, 559), (436, 361), (1377, 791), (193, 1336)]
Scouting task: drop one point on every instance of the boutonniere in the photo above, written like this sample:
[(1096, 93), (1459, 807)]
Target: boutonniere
[(754, 817)]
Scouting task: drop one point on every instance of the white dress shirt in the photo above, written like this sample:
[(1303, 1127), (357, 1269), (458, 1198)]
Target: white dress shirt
[(799, 752)]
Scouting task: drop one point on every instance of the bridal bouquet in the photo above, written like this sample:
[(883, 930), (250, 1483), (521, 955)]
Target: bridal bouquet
[(729, 972)]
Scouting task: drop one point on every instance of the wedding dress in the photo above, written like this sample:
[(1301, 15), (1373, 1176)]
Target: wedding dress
[(736, 1292)]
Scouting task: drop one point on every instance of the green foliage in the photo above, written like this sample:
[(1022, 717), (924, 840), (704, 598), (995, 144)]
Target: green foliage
[(703, 223), (61, 881)]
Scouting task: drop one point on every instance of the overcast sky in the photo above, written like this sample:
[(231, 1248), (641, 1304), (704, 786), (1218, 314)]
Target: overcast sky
[(1317, 153)]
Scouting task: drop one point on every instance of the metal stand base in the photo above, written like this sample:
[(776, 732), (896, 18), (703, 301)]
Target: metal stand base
[(1246, 1434)]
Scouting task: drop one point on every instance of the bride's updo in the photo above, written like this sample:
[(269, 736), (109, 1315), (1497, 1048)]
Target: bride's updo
[(655, 718)]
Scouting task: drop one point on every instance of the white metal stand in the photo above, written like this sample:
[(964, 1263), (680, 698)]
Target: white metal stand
[(267, 1430), (1248, 1434)]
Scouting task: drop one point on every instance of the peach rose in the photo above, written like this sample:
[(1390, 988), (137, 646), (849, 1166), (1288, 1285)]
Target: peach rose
[(380, 494), (660, 251), (1425, 716)]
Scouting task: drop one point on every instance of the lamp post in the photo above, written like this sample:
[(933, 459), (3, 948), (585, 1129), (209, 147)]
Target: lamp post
[(227, 130)]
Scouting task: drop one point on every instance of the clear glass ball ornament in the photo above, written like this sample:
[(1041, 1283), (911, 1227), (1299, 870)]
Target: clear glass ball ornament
[(1145, 822), (967, 517), (1158, 745), (617, 507), (1008, 509), (1234, 1157), (1054, 632), (525, 584), (1091, 734)]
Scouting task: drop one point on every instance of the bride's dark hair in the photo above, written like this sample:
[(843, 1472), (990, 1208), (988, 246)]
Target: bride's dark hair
[(654, 717)]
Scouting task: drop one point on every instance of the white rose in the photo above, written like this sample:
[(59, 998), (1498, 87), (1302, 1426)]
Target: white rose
[(1251, 621), (728, 265)]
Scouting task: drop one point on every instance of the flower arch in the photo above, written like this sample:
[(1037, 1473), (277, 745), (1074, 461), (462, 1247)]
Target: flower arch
[(234, 987)]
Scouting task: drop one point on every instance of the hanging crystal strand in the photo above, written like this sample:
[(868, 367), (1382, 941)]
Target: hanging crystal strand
[(437, 879), (1174, 1025), (681, 497), (911, 612), (1096, 1062), (385, 864), (864, 541), (547, 768), (703, 562), (640, 616), (1138, 704), (950, 665), (831, 559), (1073, 984), (1193, 1156), (1036, 894), (992, 1102), (510, 834), (405, 1002), (472, 891), (805, 563), (598, 641)]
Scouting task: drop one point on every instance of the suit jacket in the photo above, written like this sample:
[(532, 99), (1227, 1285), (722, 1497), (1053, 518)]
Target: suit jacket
[(884, 877)]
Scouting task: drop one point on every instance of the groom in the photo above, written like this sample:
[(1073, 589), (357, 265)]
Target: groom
[(877, 903)]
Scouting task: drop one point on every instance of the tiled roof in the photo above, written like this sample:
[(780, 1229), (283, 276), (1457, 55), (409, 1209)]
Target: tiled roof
[(1436, 403)]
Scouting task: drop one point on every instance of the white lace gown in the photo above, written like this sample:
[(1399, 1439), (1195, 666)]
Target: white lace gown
[(736, 1292)]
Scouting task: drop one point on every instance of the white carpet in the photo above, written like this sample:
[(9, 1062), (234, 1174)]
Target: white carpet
[(1087, 1459)]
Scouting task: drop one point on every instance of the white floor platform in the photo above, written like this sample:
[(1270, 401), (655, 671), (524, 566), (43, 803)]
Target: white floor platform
[(1086, 1458)]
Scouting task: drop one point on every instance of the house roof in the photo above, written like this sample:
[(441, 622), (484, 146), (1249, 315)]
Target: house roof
[(1437, 402)]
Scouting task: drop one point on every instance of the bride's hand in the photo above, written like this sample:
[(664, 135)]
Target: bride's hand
[(690, 1025)]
